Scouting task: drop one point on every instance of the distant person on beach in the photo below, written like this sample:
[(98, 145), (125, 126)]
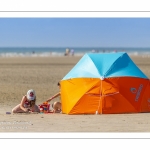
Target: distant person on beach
[(27, 104), (67, 52), (56, 105), (93, 51), (72, 52)]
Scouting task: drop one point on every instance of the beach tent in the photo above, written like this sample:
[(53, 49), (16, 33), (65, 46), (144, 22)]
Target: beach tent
[(105, 83)]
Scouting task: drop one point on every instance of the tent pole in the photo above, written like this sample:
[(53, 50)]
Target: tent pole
[(101, 98), (100, 101), (101, 94)]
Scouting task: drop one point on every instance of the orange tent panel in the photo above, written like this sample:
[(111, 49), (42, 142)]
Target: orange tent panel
[(111, 95)]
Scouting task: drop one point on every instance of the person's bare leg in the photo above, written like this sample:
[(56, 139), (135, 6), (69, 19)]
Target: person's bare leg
[(17, 109)]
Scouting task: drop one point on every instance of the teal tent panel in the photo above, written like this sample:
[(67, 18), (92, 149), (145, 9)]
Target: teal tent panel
[(104, 65), (124, 66), (84, 68), (104, 61)]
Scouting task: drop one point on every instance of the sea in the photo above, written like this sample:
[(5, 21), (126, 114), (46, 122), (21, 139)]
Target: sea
[(60, 51)]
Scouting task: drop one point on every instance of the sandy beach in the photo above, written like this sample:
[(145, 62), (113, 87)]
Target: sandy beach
[(42, 74)]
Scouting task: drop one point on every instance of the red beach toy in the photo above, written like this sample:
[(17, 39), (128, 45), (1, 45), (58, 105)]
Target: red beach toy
[(44, 108)]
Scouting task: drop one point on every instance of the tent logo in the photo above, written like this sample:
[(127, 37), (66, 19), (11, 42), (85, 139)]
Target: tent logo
[(139, 92), (133, 90)]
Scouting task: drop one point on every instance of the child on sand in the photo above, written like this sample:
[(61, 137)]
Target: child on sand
[(27, 103), (56, 105)]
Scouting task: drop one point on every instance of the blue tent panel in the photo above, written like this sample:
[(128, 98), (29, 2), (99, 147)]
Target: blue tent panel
[(104, 65)]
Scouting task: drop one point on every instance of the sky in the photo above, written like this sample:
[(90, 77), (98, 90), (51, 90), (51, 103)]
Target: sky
[(74, 32)]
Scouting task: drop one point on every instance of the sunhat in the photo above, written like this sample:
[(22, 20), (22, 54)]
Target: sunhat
[(31, 95)]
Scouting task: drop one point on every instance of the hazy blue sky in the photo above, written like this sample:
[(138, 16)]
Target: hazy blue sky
[(75, 32)]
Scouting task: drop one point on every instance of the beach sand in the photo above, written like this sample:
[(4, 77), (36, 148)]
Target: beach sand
[(42, 74)]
